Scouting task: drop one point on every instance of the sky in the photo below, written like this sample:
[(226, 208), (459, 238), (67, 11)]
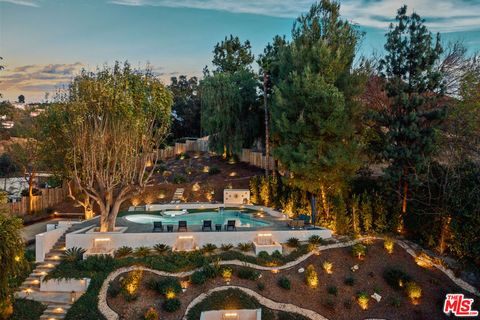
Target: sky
[(45, 43)]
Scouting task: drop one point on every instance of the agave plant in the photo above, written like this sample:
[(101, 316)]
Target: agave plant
[(315, 239), (161, 248), (73, 254), (142, 252), (293, 242), (226, 247), (123, 252), (209, 248)]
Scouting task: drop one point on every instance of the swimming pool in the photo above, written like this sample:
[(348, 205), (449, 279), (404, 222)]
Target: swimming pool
[(242, 219)]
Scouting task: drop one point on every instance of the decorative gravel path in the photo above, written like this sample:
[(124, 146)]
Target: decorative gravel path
[(112, 315)]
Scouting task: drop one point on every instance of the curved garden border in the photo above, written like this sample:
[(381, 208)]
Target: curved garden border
[(112, 315)]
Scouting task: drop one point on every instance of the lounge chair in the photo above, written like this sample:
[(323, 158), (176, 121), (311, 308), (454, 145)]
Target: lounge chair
[(207, 224), (182, 225), (292, 224), (157, 226), (230, 226)]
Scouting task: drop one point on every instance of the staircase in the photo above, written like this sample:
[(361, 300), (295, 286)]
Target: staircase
[(57, 303)]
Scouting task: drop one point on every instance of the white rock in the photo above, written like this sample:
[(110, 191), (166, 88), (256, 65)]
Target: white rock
[(376, 296), (301, 270), (354, 268)]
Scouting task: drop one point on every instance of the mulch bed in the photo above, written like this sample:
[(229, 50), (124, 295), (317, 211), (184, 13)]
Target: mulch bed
[(368, 278)]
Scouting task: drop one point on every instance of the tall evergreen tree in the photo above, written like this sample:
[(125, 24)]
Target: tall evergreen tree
[(186, 107), (413, 86), (314, 101), (232, 55)]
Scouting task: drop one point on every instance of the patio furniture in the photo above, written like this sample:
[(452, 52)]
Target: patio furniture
[(157, 226), (100, 246), (182, 226), (218, 227), (207, 224), (305, 218), (265, 242), (169, 227), (230, 226)]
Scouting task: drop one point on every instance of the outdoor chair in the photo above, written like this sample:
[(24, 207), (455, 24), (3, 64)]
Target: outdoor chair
[(157, 226), (182, 226), (231, 225), (207, 224)]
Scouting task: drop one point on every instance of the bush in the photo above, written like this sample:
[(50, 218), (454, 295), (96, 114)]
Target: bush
[(198, 277), (213, 170), (114, 288), (161, 248), (123, 251), (247, 273), (261, 286), (151, 314), (311, 276), (209, 248), (328, 267), (247, 246), (315, 239), (333, 290), (168, 285), (210, 271), (73, 254), (226, 247), (142, 252), (101, 263), (293, 242), (413, 290), (388, 244), (396, 278), (264, 255), (284, 283), (178, 178), (359, 250), (362, 299), (130, 284), (395, 301), (171, 305), (226, 273), (25, 309), (349, 281)]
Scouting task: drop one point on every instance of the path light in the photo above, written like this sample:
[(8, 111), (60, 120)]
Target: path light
[(184, 284), (230, 315), (17, 258), (196, 186), (206, 169), (232, 174), (135, 201), (161, 195), (275, 270)]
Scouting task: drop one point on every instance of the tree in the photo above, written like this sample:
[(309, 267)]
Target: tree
[(11, 253), (315, 102), (117, 117), (413, 86), (230, 113), (1, 68), (21, 98), (186, 107), (232, 55)]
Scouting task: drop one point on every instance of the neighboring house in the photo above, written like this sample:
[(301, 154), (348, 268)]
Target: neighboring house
[(7, 124), (4, 117), (19, 105)]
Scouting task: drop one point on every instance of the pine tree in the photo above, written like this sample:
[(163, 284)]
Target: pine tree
[(342, 220), (366, 212), (413, 86), (355, 209), (380, 214)]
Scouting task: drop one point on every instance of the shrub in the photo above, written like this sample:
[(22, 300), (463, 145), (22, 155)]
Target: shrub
[(395, 301), (100, 263), (359, 250), (210, 271), (226, 273), (161, 248), (130, 284), (362, 300), (328, 267), (263, 255), (142, 252), (284, 283), (277, 255), (293, 242), (333, 290), (123, 252), (349, 281), (189, 170), (395, 277), (260, 286), (73, 254), (168, 286), (311, 276), (315, 239), (226, 247), (413, 290), (388, 244), (171, 305), (151, 314), (114, 288), (178, 178), (209, 248), (198, 277), (247, 273), (247, 246), (213, 170)]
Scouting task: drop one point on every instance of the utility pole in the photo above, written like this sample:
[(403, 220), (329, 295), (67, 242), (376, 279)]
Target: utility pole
[(267, 135)]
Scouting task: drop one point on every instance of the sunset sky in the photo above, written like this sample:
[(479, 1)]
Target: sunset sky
[(44, 43)]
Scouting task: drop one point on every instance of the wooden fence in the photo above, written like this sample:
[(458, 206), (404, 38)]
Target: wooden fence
[(48, 199)]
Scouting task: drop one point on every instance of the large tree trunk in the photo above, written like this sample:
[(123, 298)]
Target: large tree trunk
[(109, 215), (405, 196), (30, 191)]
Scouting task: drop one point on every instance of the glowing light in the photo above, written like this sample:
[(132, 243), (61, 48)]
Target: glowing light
[(58, 310), (184, 284), (362, 301), (311, 276), (161, 195), (264, 234), (196, 187), (388, 245), (206, 169), (185, 237), (170, 294), (275, 270), (232, 174), (230, 315), (17, 258), (135, 201), (102, 239), (328, 267), (35, 282)]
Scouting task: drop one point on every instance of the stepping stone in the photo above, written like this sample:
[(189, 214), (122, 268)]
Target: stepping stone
[(376, 296)]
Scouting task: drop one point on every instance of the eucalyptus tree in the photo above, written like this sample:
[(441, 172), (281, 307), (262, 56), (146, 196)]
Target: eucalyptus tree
[(116, 119), (314, 103)]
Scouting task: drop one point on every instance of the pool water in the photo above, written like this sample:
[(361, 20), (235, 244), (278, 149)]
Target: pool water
[(242, 219)]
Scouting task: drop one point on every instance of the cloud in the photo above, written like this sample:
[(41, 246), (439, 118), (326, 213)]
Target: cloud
[(28, 3), (441, 15)]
